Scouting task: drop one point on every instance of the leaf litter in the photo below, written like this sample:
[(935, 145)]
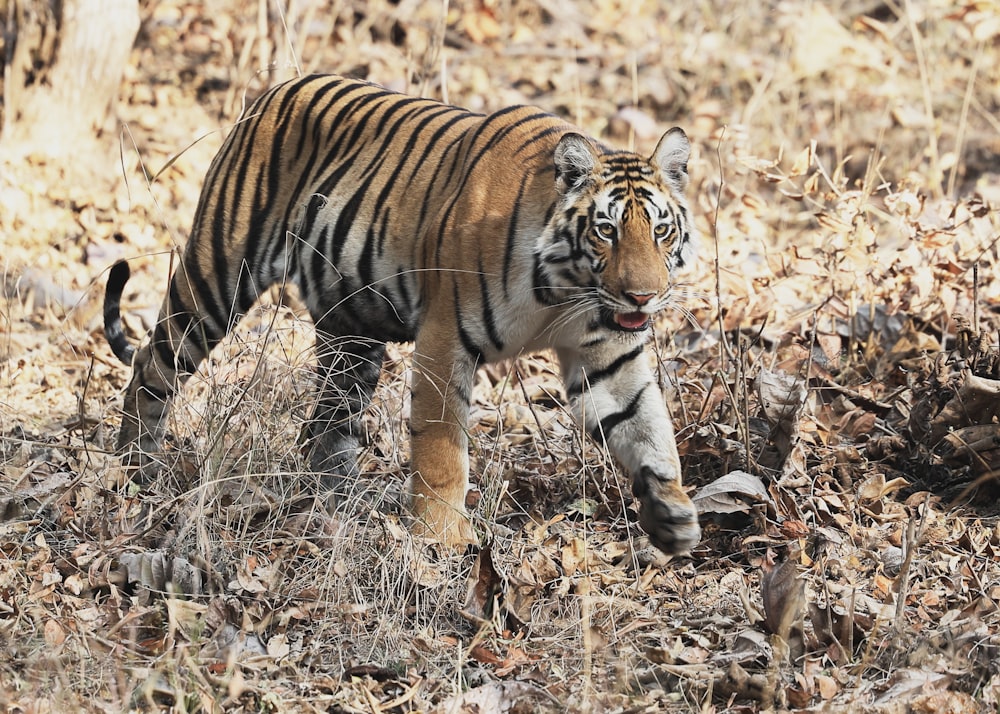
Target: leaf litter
[(832, 384)]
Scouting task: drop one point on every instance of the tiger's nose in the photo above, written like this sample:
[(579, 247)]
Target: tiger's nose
[(640, 298)]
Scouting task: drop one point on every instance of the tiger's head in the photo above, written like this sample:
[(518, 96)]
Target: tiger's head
[(621, 227)]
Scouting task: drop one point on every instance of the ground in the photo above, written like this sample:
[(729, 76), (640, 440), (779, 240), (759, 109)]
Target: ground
[(832, 379)]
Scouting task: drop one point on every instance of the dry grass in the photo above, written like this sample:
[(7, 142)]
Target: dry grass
[(843, 173)]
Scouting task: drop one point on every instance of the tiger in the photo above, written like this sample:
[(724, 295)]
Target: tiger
[(478, 237)]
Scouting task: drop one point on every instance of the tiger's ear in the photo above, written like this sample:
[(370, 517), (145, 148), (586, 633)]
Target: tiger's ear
[(671, 157), (575, 159)]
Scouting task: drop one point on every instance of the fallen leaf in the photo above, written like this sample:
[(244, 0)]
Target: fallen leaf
[(485, 587), (782, 591), (55, 635), (736, 492), (499, 698)]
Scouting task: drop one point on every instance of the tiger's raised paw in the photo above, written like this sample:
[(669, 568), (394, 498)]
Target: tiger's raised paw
[(667, 515)]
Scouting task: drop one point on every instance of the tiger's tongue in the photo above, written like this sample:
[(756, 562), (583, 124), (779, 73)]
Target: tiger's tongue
[(631, 320)]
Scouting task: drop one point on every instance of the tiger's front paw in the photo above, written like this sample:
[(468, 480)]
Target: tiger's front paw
[(441, 522), (141, 466), (667, 514)]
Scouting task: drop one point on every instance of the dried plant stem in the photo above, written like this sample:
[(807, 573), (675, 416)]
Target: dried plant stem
[(724, 349), (963, 121), (263, 50), (534, 413), (975, 296), (583, 592), (911, 538), (932, 143), (634, 73), (743, 394)]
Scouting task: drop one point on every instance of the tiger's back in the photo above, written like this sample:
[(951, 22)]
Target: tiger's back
[(401, 218), (330, 176)]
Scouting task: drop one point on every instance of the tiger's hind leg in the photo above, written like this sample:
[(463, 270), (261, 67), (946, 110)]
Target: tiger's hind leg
[(349, 369)]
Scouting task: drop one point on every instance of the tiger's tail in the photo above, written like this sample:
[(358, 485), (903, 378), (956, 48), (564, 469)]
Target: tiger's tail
[(114, 332)]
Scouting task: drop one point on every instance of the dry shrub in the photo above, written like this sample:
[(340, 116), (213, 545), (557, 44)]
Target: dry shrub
[(838, 157)]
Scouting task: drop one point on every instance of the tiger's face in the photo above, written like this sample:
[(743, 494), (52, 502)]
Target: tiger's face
[(623, 226)]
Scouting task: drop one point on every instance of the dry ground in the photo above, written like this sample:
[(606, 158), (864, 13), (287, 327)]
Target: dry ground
[(835, 390)]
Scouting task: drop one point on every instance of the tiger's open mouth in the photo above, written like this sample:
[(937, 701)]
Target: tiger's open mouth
[(628, 321)]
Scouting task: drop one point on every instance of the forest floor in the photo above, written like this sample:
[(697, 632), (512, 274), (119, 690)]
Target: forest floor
[(835, 390)]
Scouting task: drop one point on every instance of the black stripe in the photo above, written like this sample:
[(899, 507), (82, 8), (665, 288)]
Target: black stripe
[(366, 263), (166, 354), (435, 138), (678, 250), (461, 390), (373, 106), (350, 209), (601, 374), (316, 257), (340, 90), (400, 101), (558, 259), (402, 161), (345, 220), (474, 135), (405, 298), (227, 185), (308, 242), (271, 228), (444, 174), (154, 392), (501, 133), (263, 209), (488, 319), (508, 255), (385, 219), (388, 134), (537, 136), (213, 328), (345, 142), (247, 286), (540, 285), (610, 421), (471, 348), (306, 172)]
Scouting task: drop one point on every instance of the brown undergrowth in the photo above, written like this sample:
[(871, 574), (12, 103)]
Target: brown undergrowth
[(833, 383)]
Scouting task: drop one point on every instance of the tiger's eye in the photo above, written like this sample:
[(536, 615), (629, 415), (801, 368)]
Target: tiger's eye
[(606, 230), (661, 230)]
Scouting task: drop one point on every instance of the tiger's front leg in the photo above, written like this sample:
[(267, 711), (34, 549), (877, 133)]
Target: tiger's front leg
[(615, 396), (442, 385)]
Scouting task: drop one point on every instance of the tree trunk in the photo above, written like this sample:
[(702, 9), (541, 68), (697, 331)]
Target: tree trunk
[(62, 70)]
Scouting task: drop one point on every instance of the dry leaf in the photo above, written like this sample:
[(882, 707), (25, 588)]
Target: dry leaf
[(783, 594), (499, 698), (187, 618), (736, 492), (823, 45), (485, 587), (55, 635), (278, 647), (875, 487), (827, 686)]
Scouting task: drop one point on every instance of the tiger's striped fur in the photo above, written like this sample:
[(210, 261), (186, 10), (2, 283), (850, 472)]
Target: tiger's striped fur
[(478, 237)]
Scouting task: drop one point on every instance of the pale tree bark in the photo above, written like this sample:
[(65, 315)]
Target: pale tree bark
[(62, 71)]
